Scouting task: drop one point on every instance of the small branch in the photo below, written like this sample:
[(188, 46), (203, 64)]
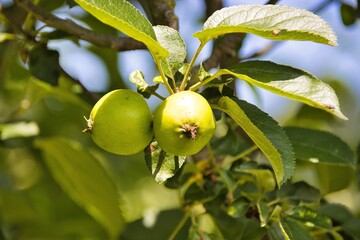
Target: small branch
[(322, 5), (272, 2), (179, 226), (197, 85), (241, 155), (262, 52), (225, 51), (212, 6), (161, 12), (93, 97), (158, 96), (69, 26)]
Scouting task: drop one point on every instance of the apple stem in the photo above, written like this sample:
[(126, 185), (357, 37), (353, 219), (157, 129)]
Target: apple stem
[(89, 126), (189, 130)]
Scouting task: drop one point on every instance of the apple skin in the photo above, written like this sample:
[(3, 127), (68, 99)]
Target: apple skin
[(184, 123), (121, 122)]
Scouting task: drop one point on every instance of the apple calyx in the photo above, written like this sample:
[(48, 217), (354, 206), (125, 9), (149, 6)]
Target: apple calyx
[(189, 130)]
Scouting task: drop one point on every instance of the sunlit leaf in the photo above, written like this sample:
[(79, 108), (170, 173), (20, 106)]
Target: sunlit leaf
[(276, 22), (288, 82), (171, 40), (84, 180), (37, 90), (18, 129), (123, 16), (162, 165), (320, 147), (137, 78), (266, 134), (6, 36)]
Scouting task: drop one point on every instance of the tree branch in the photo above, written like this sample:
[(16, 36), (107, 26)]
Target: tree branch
[(69, 26), (272, 2), (225, 49), (212, 6), (162, 13)]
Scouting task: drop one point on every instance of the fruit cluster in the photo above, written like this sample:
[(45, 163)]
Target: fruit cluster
[(122, 123)]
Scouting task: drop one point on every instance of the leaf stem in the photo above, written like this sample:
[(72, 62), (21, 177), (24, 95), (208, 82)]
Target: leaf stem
[(163, 76), (69, 26), (191, 64), (206, 81), (244, 153), (179, 226), (325, 231), (158, 96)]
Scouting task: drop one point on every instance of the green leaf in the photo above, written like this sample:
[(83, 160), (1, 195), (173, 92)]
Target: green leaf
[(289, 230), (264, 179), (348, 14), (162, 228), (264, 212), (310, 217), (275, 22), (171, 40), (84, 180), (266, 134), (337, 212), (6, 36), (71, 3), (300, 192), (137, 77), (123, 16), (333, 178), (162, 165), (352, 227), (44, 64), (288, 82), (18, 129), (237, 228), (37, 90), (320, 147)]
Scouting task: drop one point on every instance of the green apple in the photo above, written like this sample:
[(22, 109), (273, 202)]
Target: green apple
[(184, 123), (121, 122)]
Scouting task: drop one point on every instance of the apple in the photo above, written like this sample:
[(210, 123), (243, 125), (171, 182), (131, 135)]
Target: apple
[(121, 122), (183, 123)]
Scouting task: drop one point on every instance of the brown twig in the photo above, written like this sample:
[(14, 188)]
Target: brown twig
[(212, 6), (272, 2), (224, 52), (161, 12), (69, 26), (90, 96), (262, 51)]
